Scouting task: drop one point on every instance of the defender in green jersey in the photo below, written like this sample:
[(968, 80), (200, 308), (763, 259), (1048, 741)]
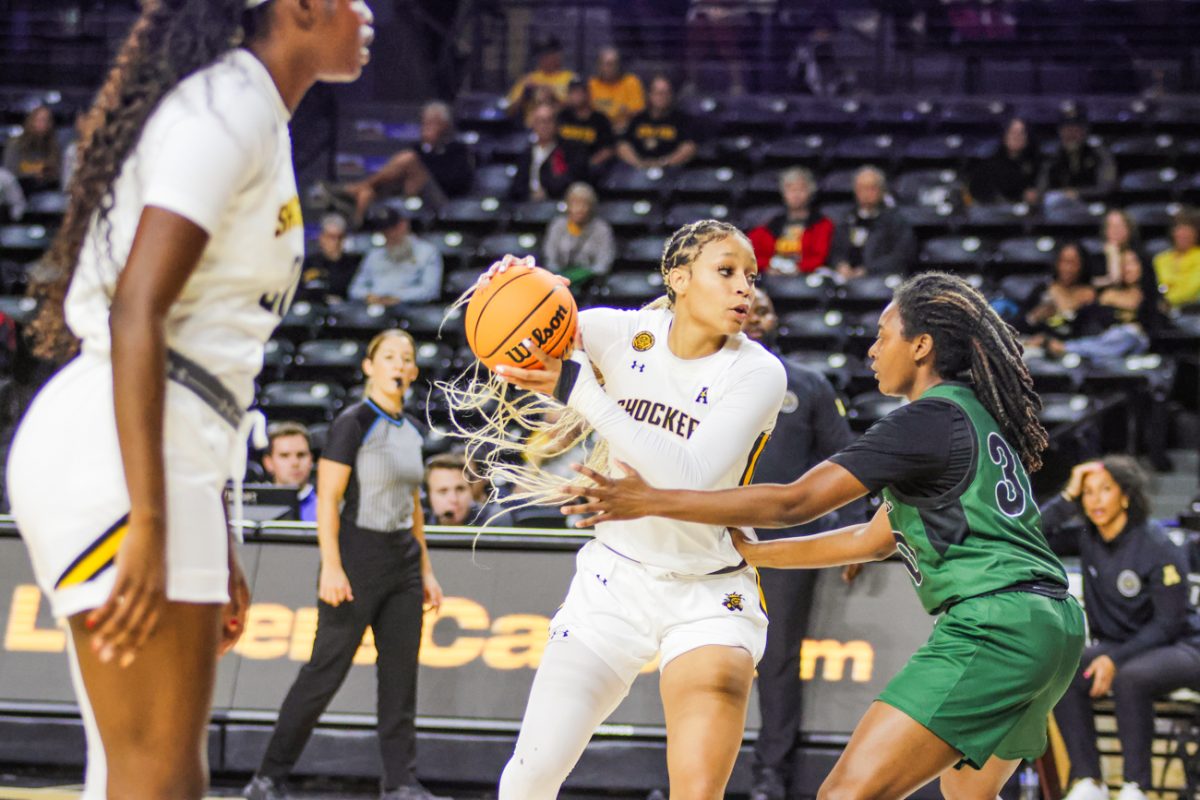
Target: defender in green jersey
[(951, 467)]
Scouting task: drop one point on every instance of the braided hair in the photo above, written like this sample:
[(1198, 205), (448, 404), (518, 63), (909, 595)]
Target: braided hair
[(171, 40), (684, 247), (971, 341)]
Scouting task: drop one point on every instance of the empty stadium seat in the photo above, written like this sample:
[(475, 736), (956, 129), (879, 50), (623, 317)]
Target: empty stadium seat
[(473, 214), (630, 289), (866, 409), (713, 184), (631, 217), (24, 242), (301, 321), (356, 320), (494, 180), (277, 357), (1143, 151), (797, 292), (686, 213), (956, 253), (1026, 254), (868, 293), (457, 248), (811, 330), (303, 401), (637, 184), (762, 187), (808, 149), (493, 248), (330, 360), (534, 215), (642, 253), (996, 219), (878, 149), (1147, 185)]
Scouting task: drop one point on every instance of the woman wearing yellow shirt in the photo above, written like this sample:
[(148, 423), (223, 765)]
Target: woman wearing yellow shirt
[(616, 94), (1178, 269)]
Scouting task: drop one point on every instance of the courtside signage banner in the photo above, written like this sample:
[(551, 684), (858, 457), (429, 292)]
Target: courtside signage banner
[(479, 654)]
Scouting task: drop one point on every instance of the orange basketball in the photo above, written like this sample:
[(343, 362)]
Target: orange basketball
[(521, 303)]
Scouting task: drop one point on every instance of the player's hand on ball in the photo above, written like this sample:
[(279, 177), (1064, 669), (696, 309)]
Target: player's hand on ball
[(503, 265), (612, 499), (541, 380), (127, 619)]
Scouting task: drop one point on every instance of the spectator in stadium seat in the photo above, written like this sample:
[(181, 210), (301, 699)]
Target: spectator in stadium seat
[(797, 239), (1119, 320), (1010, 175), (874, 238), (289, 462), (550, 165), (329, 270), (1178, 269), (1145, 637), (404, 270), (1065, 294), (33, 155), (450, 497), (617, 94), (438, 168), (660, 136), (579, 244), (578, 122), (1077, 170), (547, 81), (1118, 233)]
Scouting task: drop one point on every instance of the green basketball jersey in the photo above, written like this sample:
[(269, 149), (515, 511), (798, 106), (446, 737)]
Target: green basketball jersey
[(983, 536)]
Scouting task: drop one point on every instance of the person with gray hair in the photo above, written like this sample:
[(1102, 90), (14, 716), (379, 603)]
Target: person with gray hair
[(579, 244), (328, 269), (874, 237), (438, 168), (796, 239)]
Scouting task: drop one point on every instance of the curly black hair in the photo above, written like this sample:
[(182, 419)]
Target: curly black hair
[(971, 341), (170, 40), (1134, 484), (686, 243)]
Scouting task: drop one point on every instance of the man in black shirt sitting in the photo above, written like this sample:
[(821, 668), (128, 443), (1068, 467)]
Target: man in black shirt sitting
[(874, 238), (660, 136), (438, 168), (578, 122), (329, 269)]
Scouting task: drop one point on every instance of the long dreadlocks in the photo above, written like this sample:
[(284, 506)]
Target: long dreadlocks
[(970, 339)]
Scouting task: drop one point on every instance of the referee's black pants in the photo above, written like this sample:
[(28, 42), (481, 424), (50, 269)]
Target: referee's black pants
[(1137, 684), (385, 576), (789, 596)]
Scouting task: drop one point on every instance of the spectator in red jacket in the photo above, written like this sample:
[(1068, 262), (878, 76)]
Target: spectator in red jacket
[(797, 238)]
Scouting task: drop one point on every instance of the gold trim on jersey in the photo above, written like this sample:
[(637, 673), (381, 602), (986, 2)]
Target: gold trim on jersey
[(98, 556), (759, 445), (289, 216)]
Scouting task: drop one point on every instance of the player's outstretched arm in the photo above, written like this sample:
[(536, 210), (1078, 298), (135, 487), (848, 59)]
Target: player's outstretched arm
[(824, 488), (854, 544)]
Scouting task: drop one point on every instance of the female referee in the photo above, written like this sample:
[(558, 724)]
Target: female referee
[(951, 466), (178, 255), (691, 400), (375, 571)]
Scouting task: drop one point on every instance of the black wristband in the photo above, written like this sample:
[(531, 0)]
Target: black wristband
[(566, 380)]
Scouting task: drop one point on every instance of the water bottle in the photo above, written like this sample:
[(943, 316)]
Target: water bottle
[(1030, 786)]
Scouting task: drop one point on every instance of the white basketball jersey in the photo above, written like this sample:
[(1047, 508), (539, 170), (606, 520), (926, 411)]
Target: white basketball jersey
[(216, 151), (683, 424)]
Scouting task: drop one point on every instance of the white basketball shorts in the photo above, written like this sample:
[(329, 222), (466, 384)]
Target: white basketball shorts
[(69, 497), (626, 612)]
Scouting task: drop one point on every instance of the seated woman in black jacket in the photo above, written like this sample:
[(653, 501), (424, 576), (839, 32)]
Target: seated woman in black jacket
[(1145, 639)]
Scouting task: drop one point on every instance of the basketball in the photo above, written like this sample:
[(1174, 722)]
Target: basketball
[(523, 302)]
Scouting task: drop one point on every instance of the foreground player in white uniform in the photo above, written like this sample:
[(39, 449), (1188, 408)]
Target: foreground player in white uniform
[(179, 252), (689, 398)]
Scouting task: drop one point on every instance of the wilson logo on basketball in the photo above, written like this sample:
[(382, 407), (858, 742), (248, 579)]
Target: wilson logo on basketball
[(541, 335)]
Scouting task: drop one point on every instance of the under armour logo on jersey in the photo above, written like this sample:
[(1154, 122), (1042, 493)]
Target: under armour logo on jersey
[(703, 396), (637, 366)]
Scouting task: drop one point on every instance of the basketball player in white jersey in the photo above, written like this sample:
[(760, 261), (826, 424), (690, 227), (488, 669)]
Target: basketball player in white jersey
[(178, 255), (690, 398)]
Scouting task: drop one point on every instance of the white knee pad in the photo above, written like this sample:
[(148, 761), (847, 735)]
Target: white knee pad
[(573, 692)]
